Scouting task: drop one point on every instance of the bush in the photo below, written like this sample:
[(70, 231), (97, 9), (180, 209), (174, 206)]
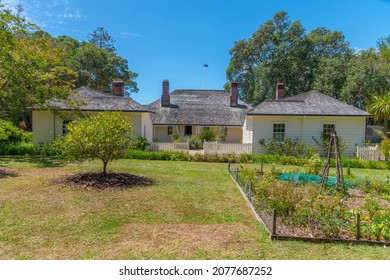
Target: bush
[(323, 144), (141, 143), (288, 147), (314, 165), (208, 135), (9, 134), (195, 142)]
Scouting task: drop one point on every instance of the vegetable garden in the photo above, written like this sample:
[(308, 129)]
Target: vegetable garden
[(307, 211)]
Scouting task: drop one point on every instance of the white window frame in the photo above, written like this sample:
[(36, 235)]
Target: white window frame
[(279, 132)]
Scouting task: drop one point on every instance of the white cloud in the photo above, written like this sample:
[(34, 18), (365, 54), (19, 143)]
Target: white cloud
[(125, 34), (46, 14)]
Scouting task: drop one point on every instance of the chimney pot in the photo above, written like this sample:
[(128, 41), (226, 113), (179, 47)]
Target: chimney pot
[(233, 95), (165, 98), (118, 88), (279, 91)]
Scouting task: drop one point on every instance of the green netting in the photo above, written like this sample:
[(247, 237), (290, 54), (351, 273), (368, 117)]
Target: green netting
[(299, 177)]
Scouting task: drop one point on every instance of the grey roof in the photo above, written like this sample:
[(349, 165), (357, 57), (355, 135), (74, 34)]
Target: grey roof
[(311, 103), (93, 100), (199, 107)]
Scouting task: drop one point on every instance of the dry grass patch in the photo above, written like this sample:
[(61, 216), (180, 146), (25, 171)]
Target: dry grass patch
[(180, 241)]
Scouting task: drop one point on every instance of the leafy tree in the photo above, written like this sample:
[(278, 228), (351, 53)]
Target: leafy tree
[(379, 107), (106, 136), (363, 79), (281, 51), (102, 39), (97, 69), (32, 70)]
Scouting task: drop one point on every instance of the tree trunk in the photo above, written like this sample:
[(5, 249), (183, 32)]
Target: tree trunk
[(105, 167)]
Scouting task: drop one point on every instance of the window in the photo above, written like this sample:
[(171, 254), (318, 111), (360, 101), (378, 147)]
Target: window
[(188, 130), (170, 129), (65, 126), (279, 131), (327, 129)]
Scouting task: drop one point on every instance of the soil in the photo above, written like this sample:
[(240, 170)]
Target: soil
[(6, 173), (100, 181), (355, 200)]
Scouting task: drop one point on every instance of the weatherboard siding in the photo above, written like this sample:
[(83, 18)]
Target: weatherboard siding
[(234, 134), (350, 129), (147, 127), (47, 127), (43, 127)]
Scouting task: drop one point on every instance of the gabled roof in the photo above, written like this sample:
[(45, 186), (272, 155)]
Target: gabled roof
[(93, 100), (311, 103), (199, 107)]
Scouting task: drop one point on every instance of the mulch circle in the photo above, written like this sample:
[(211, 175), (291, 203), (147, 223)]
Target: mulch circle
[(6, 173), (99, 181)]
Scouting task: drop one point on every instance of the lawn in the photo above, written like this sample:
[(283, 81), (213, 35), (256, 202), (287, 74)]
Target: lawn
[(192, 211)]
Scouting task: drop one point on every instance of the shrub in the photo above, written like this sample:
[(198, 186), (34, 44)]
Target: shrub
[(141, 143), (208, 135), (9, 134), (314, 165), (195, 142), (288, 147), (323, 144), (384, 146)]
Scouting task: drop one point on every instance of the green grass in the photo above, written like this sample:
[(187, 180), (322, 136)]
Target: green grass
[(192, 211)]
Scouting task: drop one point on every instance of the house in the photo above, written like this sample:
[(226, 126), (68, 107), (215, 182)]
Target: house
[(305, 116), (48, 126), (187, 112)]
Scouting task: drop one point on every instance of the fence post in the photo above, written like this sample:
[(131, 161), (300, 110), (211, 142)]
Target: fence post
[(229, 166), (274, 213), (237, 175), (357, 226), (250, 191), (261, 168)]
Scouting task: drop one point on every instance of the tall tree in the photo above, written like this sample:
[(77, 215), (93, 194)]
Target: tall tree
[(281, 51), (97, 69), (363, 79), (31, 71), (102, 39)]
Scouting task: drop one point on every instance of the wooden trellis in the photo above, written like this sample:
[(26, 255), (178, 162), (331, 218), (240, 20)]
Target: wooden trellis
[(334, 145)]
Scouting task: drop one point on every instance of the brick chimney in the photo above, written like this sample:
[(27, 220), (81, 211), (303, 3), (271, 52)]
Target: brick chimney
[(118, 88), (279, 91), (165, 98), (233, 95)]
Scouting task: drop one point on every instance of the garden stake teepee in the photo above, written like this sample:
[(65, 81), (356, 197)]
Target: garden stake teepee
[(334, 145)]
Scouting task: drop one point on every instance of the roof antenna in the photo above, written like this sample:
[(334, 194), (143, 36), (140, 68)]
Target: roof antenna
[(204, 82)]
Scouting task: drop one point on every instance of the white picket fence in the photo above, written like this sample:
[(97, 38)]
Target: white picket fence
[(226, 148), (169, 146), (368, 153)]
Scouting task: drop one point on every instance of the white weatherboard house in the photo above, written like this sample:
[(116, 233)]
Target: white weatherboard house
[(304, 116), (48, 126)]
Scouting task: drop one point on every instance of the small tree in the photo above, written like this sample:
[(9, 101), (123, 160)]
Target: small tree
[(106, 136)]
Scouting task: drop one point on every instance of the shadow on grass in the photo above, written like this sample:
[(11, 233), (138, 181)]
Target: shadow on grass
[(38, 161)]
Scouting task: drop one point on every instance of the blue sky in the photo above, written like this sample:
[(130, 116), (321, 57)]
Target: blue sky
[(173, 39)]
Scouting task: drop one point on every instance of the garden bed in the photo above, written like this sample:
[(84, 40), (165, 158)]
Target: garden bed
[(100, 181), (314, 215)]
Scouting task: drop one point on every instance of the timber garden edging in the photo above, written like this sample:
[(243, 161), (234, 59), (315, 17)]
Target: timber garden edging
[(271, 228)]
